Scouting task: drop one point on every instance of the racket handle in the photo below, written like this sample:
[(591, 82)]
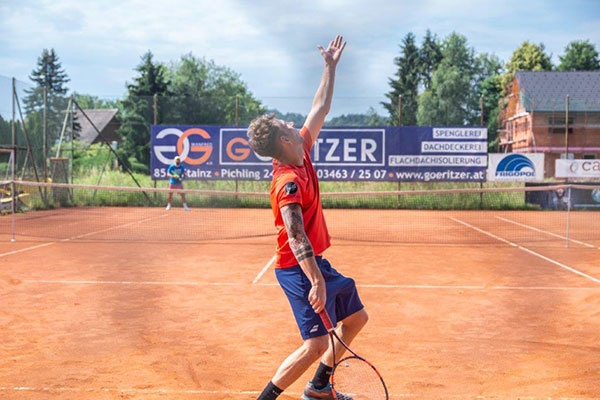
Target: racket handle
[(326, 320)]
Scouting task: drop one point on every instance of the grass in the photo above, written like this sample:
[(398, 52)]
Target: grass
[(373, 195)]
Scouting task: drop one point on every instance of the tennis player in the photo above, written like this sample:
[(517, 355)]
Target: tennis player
[(176, 173), (310, 283)]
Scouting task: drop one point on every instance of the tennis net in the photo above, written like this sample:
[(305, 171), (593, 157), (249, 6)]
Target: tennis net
[(550, 213)]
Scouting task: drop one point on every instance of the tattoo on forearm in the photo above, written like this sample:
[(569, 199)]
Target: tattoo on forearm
[(299, 243), (304, 253)]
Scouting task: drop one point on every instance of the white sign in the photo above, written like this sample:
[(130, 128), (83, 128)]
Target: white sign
[(577, 168), (460, 133), (515, 167)]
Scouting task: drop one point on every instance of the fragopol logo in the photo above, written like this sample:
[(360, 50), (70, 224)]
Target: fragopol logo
[(515, 165)]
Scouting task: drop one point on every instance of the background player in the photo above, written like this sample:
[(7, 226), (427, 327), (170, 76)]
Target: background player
[(176, 173)]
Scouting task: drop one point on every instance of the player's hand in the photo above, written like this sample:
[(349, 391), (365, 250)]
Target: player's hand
[(332, 54), (317, 296)]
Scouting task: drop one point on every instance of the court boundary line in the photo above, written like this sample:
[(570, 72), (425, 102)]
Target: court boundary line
[(366, 286), (265, 269), (25, 249), (525, 249), (65, 389), (546, 232)]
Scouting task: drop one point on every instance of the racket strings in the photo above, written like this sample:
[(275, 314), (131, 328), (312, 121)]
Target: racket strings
[(358, 380)]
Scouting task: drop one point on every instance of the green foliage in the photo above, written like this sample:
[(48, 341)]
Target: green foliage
[(138, 111), (430, 55), (88, 158), (579, 56), (5, 131), (202, 92), (491, 89), (86, 101), (296, 118), (452, 99), (371, 118), (45, 104), (528, 57), (405, 84)]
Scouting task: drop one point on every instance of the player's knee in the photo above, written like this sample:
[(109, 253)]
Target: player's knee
[(316, 347), (362, 317), (357, 320)]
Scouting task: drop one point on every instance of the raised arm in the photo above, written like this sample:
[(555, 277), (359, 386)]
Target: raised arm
[(322, 100)]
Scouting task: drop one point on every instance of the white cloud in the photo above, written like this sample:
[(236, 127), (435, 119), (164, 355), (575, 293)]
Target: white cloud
[(272, 44)]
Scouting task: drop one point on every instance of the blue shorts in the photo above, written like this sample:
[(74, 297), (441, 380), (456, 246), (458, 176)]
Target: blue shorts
[(342, 297)]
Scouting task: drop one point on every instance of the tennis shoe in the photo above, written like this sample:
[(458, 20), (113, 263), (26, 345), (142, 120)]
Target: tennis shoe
[(312, 393), (168, 207), (186, 208)]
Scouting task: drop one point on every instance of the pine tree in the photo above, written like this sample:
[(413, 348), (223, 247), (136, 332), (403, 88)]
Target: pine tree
[(138, 112), (49, 92), (430, 56), (405, 84)]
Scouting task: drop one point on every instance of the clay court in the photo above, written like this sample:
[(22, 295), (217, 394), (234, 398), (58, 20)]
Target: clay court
[(140, 303)]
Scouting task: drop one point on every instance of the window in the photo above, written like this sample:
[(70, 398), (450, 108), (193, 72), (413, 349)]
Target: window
[(557, 124)]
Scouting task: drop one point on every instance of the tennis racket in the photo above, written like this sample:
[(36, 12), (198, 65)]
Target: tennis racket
[(353, 377)]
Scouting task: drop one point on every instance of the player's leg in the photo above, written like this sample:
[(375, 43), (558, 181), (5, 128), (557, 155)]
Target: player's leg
[(185, 206), (300, 360), (294, 366), (169, 200)]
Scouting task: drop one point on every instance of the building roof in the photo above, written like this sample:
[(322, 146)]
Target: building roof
[(547, 90), (101, 119)]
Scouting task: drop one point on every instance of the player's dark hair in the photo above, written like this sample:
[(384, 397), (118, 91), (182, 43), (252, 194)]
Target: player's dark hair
[(262, 136)]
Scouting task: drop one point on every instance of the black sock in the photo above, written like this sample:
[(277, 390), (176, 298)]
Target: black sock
[(322, 376), (271, 392)]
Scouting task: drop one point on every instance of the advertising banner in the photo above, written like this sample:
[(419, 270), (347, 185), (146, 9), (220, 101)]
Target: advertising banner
[(577, 168), (425, 154), (570, 197), (515, 167)]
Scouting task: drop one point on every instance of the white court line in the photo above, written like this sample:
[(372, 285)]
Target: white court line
[(525, 249), (79, 236), (546, 232), (129, 283), (265, 269), (125, 390), (64, 389), (366, 286)]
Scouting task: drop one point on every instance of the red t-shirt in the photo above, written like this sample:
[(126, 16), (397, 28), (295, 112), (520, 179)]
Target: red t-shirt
[(298, 184)]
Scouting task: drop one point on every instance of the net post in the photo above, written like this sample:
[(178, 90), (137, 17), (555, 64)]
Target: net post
[(568, 215), (10, 176)]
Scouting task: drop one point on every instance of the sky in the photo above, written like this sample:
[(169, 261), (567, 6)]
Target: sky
[(271, 44)]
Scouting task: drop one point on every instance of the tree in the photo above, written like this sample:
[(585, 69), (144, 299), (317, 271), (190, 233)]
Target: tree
[(138, 112), (452, 98), (90, 102), (45, 104), (297, 118), (579, 56), (491, 89), (405, 84), (203, 92), (430, 56), (528, 57), (487, 83), (5, 131), (371, 118)]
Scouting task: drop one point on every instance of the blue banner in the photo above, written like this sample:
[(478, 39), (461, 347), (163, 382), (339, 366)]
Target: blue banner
[(406, 154)]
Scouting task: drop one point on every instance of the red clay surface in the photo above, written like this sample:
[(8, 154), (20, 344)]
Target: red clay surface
[(144, 304)]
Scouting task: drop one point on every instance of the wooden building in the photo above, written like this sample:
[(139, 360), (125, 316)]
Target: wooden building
[(555, 113)]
